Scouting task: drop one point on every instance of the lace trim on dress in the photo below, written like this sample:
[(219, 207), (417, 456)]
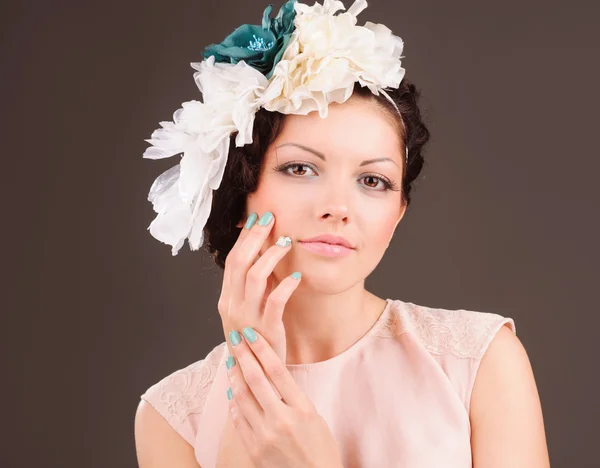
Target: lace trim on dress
[(184, 392), (462, 333)]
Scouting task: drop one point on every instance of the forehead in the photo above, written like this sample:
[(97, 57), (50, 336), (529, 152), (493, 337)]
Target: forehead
[(356, 127)]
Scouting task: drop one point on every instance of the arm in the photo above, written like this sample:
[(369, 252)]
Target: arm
[(507, 428), (157, 444)]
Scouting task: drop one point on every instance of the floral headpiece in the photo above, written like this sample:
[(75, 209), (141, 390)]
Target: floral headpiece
[(296, 63)]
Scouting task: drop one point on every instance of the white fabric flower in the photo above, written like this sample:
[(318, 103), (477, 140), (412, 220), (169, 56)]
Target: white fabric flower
[(182, 196), (327, 54)]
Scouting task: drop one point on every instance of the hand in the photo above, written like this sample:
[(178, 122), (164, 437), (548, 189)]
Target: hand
[(277, 433), (247, 295), (248, 299)]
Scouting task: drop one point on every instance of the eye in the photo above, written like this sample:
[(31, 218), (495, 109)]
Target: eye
[(284, 168), (387, 184)]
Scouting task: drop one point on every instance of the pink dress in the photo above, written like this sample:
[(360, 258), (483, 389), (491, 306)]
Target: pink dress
[(398, 397)]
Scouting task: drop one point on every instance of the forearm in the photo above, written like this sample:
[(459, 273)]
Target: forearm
[(232, 451)]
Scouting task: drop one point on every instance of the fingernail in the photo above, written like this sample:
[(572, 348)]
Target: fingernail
[(230, 362), (229, 393), (235, 338), (251, 220), (283, 241), (249, 334), (296, 275), (265, 219)]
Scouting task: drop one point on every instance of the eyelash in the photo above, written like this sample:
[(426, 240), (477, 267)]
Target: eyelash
[(388, 184)]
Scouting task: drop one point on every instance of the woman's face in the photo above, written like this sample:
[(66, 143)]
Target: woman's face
[(337, 194)]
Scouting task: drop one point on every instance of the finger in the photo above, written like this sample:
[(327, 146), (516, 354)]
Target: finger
[(250, 221), (276, 371), (225, 298), (245, 256), (270, 286), (263, 397), (259, 278), (240, 422), (249, 408), (275, 304)]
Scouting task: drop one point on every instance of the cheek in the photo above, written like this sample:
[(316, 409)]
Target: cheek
[(281, 204), (381, 229), (270, 196)]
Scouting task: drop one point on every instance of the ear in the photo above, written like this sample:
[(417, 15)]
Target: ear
[(396, 225)]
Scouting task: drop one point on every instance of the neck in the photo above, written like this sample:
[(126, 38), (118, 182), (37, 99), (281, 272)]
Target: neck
[(320, 325)]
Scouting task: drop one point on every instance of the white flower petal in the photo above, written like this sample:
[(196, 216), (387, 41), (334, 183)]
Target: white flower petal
[(217, 168), (172, 224), (234, 93), (196, 236), (161, 189), (171, 228), (357, 7), (194, 175), (327, 54), (167, 141)]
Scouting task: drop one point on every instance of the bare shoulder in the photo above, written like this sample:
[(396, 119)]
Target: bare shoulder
[(156, 442), (507, 427)]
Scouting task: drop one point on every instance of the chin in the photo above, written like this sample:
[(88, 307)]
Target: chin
[(327, 279)]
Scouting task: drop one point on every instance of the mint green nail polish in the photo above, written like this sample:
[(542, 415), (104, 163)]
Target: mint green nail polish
[(249, 334), (251, 220), (230, 362), (229, 393), (296, 275), (235, 338), (265, 219)]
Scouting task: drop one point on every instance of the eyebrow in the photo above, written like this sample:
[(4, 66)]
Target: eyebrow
[(322, 156)]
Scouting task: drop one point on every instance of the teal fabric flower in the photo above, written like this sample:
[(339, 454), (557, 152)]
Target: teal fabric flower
[(260, 47)]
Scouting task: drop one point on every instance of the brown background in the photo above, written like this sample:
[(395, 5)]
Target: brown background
[(95, 310)]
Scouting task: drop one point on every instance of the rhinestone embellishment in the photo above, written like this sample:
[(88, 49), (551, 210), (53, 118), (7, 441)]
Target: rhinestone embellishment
[(283, 241)]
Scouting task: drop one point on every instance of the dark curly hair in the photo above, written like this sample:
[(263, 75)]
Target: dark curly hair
[(244, 163)]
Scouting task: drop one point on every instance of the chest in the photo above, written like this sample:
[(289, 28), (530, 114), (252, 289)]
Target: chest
[(390, 422)]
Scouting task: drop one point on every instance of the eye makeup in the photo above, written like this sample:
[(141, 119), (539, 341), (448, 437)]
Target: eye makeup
[(387, 183)]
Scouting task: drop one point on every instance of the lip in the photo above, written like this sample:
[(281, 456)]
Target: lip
[(330, 239), (327, 250)]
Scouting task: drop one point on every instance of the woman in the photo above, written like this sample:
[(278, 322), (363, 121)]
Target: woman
[(316, 370)]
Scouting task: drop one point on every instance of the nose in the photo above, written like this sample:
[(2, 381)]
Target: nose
[(337, 214), (334, 205)]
